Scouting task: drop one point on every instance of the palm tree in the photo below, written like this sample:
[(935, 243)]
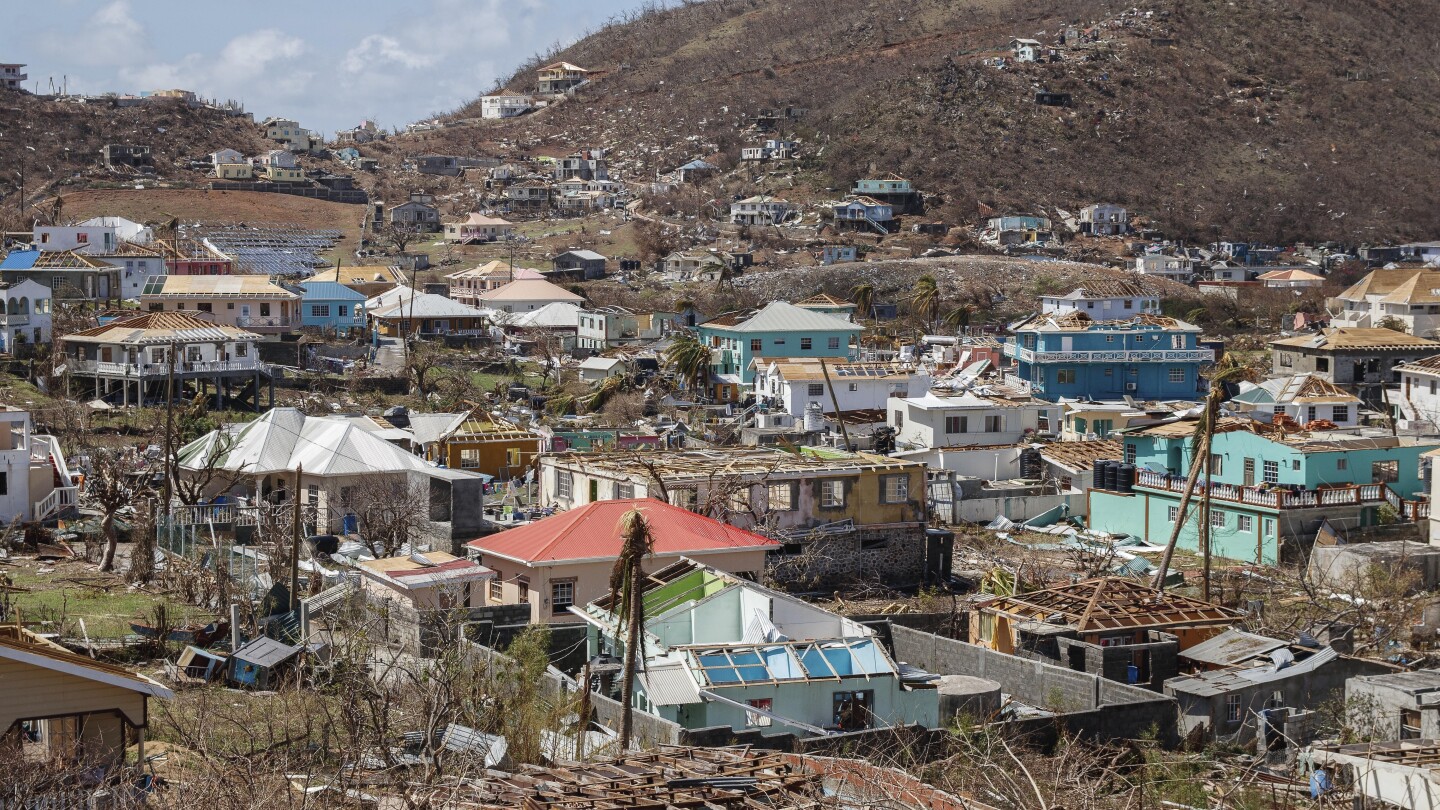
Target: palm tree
[(959, 317), (690, 359), (925, 301), (864, 297), (1230, 369), (626, 579)]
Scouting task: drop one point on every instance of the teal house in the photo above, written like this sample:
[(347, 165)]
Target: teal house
[(720, 650), (331, 305), (1071, 355), (1270, 488), (781, 329)]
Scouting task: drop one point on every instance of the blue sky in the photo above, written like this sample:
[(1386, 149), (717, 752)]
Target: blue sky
[(327, 64)]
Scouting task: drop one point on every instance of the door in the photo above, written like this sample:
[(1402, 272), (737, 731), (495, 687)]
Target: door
[(244, 314), (1249, 472), (1067, 343)]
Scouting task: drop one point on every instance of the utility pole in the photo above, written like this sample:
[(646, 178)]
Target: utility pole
[(1205, 515), (295, 543), (170, 423), (835, 400)]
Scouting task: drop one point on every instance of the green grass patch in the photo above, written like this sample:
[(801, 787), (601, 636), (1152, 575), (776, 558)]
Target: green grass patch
[(107, 613)]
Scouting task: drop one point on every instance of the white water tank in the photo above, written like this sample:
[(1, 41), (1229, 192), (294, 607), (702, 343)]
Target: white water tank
[(814, 417)]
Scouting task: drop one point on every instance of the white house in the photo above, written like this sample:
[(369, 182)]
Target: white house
[(1292, 278), (1410, 295), (505, 105), (478, 228), (969, 419), (24, 314), (1103, 299), (226, 156), (278, 159), (525, 295), (759, 210), (1104, 219), (608, 327), (1419, 396), (791, 384), (1026, 50), (80, 238), (125, 230), (598, 369), (1304, 398), (30, 466), (1175, 268)]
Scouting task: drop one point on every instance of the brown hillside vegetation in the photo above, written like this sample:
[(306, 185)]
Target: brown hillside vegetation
[(1301, 119), (57, 144)]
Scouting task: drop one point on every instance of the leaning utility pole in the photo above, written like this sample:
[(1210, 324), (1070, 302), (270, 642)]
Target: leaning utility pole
[(170, 463), (295, 543)]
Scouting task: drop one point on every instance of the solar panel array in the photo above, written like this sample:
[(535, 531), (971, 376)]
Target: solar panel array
[(272, 249)]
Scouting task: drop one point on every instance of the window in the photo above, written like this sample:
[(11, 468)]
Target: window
[(1177, 374), (512, 457), (1270, 471), (806, 344), (56, 282), (779, 341), (1342, 463), (1217, 520), (1129, 453), (562, 596), (1232, 708), (265, 309), (1245, 523), (4, 483), (1432, 387), (1321, 363), (780, 497), (995, 424), (1109, 338), (343, 310), (684, 498), (242, 349), (854, 387), (470, 458), (205, 307), (1217, 464), (851, 710), (899, 419), (1280, 409), (956, 424), (497, 590), (832, 494), (815, 389), (1129, 304), (624, 490), (754, 720), (563, 482), (1339, 413), (832, 343), (192, 354), (894, 488), (1172, 513), (1064, 376), (319, 310), (524, 585), (1310, 414), (1385, 472)]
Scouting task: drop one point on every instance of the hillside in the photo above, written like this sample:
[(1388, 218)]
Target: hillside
[(1306, 119), (58, 144)]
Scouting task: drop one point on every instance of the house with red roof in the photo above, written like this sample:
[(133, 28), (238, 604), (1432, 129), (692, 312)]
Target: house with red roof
[(566, 559)]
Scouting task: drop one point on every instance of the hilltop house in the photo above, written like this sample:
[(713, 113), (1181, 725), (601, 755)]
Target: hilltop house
[(693, 266), (478, 228), (35, 481), (794, 384), (289, 132), (779, 330), (12, 75), (759, 210), (1303, 398), (25, 315), (723, 651), (1077, 357), (1160, 265), (869, 509), (566, 559), (1103, 299), (864, 212), (1027, 50), (583, 264), (1270, 489), (136, 350), (1361, 360), (892, 189), (331, 307), (364, 132), (1104, 219), (586, 164), (505, 104), (418, 215), (559, 77), (1409, 295), (526, 295), (771, 149), (253, 303), (931, 421)]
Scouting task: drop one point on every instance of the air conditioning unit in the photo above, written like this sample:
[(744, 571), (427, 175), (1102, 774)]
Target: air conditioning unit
[(1131, 388)]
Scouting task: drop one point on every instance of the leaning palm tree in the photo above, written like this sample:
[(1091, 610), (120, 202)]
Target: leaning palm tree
[(959, 317), (863, 295), (925, 301), (1230, 369), (626, 579), (690, 360)]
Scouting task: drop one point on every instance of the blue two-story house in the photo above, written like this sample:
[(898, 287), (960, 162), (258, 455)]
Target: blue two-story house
[(1270, 488), (781, 329), (1148, 357), (331, 305)]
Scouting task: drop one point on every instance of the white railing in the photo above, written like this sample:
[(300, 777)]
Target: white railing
[(59, 499), (267, 322), (1019, 352), (14, 320), (161, 369), (1353, 495)]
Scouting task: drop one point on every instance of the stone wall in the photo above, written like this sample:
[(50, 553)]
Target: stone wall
[(893, 554), (1113, 663)]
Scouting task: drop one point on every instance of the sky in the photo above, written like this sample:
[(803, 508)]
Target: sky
[(326, 64)]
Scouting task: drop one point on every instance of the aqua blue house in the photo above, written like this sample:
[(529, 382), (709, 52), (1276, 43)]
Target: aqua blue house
[(781, 329), (331, 305), (1270, 489), (1147, 357)]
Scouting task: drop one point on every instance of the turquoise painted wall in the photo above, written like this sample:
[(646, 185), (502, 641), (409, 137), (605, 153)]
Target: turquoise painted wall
[(737, 351), (1147, 516)]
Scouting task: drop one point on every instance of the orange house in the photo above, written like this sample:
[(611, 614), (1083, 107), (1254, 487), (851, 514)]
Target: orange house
[(485, 443)]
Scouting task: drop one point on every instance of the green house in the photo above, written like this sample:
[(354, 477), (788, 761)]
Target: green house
[(1269, 489), (781, 329)]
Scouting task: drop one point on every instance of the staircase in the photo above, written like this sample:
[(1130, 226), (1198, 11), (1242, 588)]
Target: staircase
[(64, 496)]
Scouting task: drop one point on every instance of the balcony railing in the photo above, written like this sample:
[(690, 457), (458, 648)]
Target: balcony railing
[(160, 369), (14, 319), (1353, 495), (268, 322), (1111, 356)]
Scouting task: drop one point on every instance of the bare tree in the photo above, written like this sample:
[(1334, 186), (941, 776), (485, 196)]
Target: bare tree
[(114, 483), (399, 235), (389, 509)]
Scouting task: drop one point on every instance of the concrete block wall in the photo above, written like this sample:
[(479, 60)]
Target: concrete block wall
[(896, 555)]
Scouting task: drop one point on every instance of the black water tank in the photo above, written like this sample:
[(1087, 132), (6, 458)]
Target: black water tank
[(1031, 465), (1097, 473), (1127, 477), (1112, 475)]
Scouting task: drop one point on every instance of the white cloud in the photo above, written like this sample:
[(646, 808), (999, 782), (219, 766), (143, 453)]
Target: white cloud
[(111, 36), (378, 50)]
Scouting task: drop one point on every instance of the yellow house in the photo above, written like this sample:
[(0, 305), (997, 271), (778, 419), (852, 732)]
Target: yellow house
[(281, 174), (72, 707), (487, 444), (368, 280), (234, 171), (250, 302)]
